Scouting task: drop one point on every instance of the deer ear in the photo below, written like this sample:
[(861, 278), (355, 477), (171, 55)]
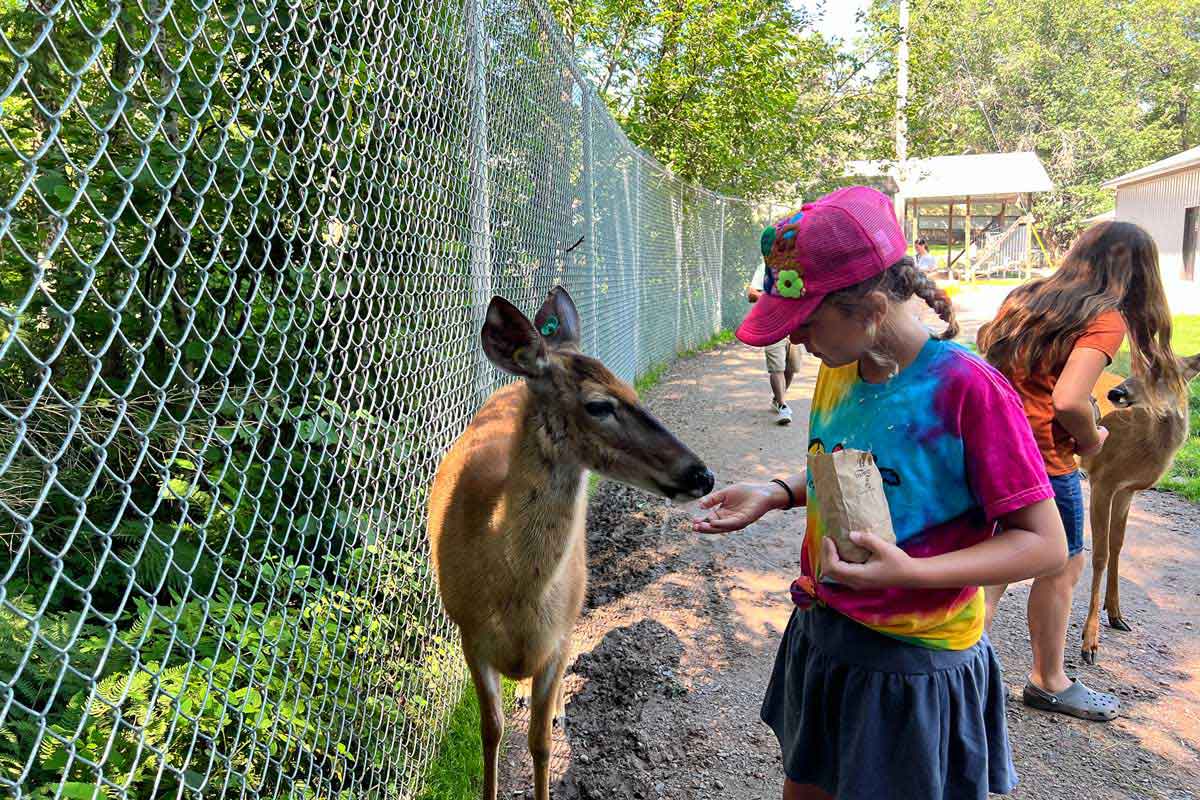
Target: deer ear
[(1191, 367), (511, 342), (557, 320)]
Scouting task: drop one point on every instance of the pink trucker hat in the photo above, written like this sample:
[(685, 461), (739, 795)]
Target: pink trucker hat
[(837, 241)]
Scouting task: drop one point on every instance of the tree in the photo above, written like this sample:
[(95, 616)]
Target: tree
[(741, 96), (1095, 87)]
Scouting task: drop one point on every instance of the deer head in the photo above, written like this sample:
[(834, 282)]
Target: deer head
[(586, 414), (1133, 391)]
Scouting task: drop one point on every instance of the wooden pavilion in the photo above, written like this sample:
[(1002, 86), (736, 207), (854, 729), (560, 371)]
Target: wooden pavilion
[(984, 200)]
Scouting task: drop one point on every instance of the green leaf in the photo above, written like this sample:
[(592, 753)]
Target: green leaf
[(177, 489), (195, 350), (50, 181), (82, 791)]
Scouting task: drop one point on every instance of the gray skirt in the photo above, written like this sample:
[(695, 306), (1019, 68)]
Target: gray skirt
[(863, 715)]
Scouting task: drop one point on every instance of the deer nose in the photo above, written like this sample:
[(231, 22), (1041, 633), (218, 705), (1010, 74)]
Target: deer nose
[(1118, 396), (699, 478)]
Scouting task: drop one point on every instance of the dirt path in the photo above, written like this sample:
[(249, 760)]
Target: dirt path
[(679, 634)]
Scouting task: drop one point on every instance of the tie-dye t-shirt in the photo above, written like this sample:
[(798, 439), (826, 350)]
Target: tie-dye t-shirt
[(955, 451)]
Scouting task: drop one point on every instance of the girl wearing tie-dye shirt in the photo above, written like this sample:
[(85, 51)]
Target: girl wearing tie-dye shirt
[(885, 684)]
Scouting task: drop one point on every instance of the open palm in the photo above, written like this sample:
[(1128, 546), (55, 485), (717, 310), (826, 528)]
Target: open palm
[(735, 507)]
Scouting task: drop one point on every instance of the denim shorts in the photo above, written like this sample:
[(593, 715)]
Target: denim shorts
[(1068, 496)]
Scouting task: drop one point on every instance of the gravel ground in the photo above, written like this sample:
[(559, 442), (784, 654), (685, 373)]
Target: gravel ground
[(678, 637)]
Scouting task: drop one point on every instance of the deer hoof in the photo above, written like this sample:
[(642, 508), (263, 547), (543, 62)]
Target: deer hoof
[(1089, 657), (1117, 623)]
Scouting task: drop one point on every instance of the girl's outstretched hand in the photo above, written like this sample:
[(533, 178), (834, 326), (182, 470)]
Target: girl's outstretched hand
[(888, 566), (735, 507)]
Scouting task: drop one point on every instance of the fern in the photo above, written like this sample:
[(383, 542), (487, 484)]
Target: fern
[(142, 626), (152, 565)]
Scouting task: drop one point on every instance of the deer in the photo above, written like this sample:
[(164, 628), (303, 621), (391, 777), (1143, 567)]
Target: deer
[(1141, 444), (508, 509)]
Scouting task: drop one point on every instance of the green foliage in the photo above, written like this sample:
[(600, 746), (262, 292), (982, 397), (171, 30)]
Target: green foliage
[(1096, 87), (202, 592), (741, 96), (650, 378)]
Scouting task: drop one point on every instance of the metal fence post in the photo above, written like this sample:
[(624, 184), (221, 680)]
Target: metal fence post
[(719, 319), (636, 244), (677, 224), (589, 228), (480, 199)]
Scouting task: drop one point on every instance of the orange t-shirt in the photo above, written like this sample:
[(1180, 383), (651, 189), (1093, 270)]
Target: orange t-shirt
[(1104, 333)]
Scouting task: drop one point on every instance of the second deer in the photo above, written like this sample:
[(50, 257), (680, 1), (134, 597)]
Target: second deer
[(1141, 445), (509, 503)]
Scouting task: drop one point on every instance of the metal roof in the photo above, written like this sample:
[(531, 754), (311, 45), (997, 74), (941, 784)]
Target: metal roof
[(1188, 158), (982, 175)]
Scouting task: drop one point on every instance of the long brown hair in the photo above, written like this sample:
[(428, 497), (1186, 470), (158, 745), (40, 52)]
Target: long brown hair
[(1113, 266)]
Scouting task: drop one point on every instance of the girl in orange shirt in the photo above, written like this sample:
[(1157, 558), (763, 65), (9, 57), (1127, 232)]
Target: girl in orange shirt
[(1052, 338)]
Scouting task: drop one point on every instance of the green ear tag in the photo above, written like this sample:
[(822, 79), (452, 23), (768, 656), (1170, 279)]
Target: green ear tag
[(767, 240), (550, 326)]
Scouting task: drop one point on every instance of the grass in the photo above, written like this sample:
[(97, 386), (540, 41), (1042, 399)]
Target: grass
[(653, 375), (456, 772), (1184, 477)]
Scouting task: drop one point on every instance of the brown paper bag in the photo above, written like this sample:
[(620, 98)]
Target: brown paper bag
[(850, 493)]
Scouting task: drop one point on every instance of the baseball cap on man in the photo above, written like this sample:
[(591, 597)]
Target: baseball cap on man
[(837, 241)]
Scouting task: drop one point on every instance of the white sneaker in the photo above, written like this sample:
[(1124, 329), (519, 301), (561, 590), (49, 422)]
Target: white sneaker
[(783, 414)]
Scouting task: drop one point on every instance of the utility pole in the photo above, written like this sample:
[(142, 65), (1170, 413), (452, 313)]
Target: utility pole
[(902, 112)]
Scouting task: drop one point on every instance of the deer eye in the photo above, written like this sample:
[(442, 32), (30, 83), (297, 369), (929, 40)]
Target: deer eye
[(600, 408)]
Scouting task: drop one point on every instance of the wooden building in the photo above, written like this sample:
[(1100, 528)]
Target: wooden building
[(1164, 198), (983, 199)]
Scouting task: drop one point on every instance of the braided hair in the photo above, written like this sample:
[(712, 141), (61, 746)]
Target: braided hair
[(899, 282)]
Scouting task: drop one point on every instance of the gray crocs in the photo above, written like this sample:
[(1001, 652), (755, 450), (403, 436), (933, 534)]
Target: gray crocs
[(1076, 700)]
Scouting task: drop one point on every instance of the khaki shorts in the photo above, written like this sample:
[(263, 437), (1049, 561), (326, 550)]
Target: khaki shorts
[(782, 356)]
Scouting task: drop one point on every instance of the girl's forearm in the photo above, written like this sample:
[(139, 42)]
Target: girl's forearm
[(1011, 556), (1079, 421), (799, 486)]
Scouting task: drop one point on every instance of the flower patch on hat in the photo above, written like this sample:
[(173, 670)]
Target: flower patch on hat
[(790, 284), (783, 277)]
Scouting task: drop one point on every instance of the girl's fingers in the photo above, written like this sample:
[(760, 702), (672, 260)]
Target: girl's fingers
[(868, 541), (715, 523), (712, 499), (832, 561), (714, 510)]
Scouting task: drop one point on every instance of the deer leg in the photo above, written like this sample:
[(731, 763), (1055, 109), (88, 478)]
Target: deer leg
[(491, 715), (1116, 538), (1101, 508), (547, 689)]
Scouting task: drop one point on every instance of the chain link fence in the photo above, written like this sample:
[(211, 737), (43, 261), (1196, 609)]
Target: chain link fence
[(245, 249)]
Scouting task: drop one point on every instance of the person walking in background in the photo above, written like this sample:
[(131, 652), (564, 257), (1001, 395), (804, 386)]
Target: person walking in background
[(925, 260), (783, 359)]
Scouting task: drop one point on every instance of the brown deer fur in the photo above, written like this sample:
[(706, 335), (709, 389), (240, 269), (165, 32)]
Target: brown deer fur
[(1141, 445), (508, 507)]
